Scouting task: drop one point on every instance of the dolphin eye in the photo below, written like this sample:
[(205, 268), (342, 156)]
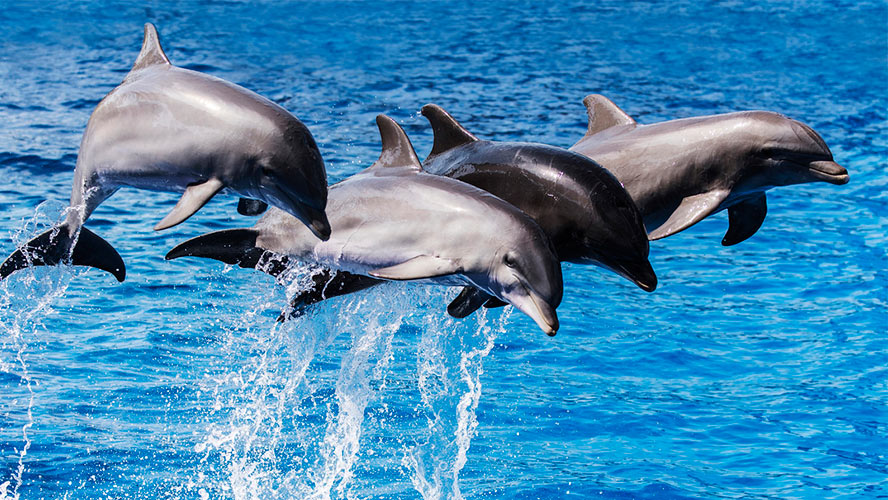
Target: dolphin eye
[(509, 260)]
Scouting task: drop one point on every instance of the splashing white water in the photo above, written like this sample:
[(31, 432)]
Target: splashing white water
[(290, 420), (252, 392), (24, 304), (449, 369), (361, 377)]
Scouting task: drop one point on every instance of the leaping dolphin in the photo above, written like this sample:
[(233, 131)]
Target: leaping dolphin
[(681, 171), (393, 221), (581, 206), (171, 129)]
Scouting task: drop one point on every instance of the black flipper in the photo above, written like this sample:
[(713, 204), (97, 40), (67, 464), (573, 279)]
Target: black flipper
[(53, 247), (232, 246), (247, 206), (493, 303), (745, 218), (326, 285), (468, 301)]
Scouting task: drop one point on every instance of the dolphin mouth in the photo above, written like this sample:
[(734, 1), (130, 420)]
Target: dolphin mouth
[(640, 272), (829, 171), (319, 224), (539, 311), (315, 219), (311, 214)]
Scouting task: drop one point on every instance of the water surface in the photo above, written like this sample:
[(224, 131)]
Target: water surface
[(755, 371)]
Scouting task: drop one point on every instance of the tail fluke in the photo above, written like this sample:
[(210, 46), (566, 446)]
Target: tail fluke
[(232, 246), (53, 247)]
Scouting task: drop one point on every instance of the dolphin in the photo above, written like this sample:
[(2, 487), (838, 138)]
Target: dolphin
[(171, 129), (681, 171), (394, 221), (582, 207)]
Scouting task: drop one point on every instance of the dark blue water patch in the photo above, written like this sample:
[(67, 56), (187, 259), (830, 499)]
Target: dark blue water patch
[(81, 103), (203, 68), (30, 108), (38, 165)]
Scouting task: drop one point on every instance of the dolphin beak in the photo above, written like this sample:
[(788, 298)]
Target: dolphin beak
[(538, 309), (315, 219), (319, 224), (829, 171), (311, 214), (640, 272)]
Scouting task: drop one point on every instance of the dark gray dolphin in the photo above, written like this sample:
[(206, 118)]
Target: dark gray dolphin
[(393, 221), (581, 206), (171, 129), (681, 171)]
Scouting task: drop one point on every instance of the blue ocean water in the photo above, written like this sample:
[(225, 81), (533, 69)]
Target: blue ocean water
[(755, 371)]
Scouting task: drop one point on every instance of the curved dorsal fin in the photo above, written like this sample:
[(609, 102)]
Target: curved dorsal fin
[(448, 132), (604, 114), (152, 52), (397, 151)]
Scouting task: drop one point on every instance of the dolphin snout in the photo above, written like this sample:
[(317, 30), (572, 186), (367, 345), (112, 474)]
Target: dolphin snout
[(321, 228), (829, 171), (539, 310), (641, 273), (545, 318), (316, 220)]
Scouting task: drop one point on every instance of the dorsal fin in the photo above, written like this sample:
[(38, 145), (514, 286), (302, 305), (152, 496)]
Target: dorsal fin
[(448, 132), (604, 114), (152, 52), (397, 151)]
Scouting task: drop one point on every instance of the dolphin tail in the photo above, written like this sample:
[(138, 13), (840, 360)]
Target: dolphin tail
[(326, 285), (53, 247), (232, 246)]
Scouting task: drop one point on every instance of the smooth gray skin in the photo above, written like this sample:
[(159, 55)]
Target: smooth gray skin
[(393, 221), (171, 129), (582, 207), (681, 171)]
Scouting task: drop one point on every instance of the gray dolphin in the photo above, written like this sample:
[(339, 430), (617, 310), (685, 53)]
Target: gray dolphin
[(681, 171), (171, 129), (581, 206), (393, 221)]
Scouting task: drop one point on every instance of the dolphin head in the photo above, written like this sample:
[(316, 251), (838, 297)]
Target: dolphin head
[(609, 230), (293, 179), (783, 151), (616, 235), (527, 275)]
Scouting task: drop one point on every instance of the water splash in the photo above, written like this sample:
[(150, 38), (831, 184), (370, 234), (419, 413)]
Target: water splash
[(290, 419), (252, 390), (25, 302), (449, 368), (361, 377)]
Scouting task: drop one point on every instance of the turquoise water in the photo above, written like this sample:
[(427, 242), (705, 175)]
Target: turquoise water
[(755, 371)]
